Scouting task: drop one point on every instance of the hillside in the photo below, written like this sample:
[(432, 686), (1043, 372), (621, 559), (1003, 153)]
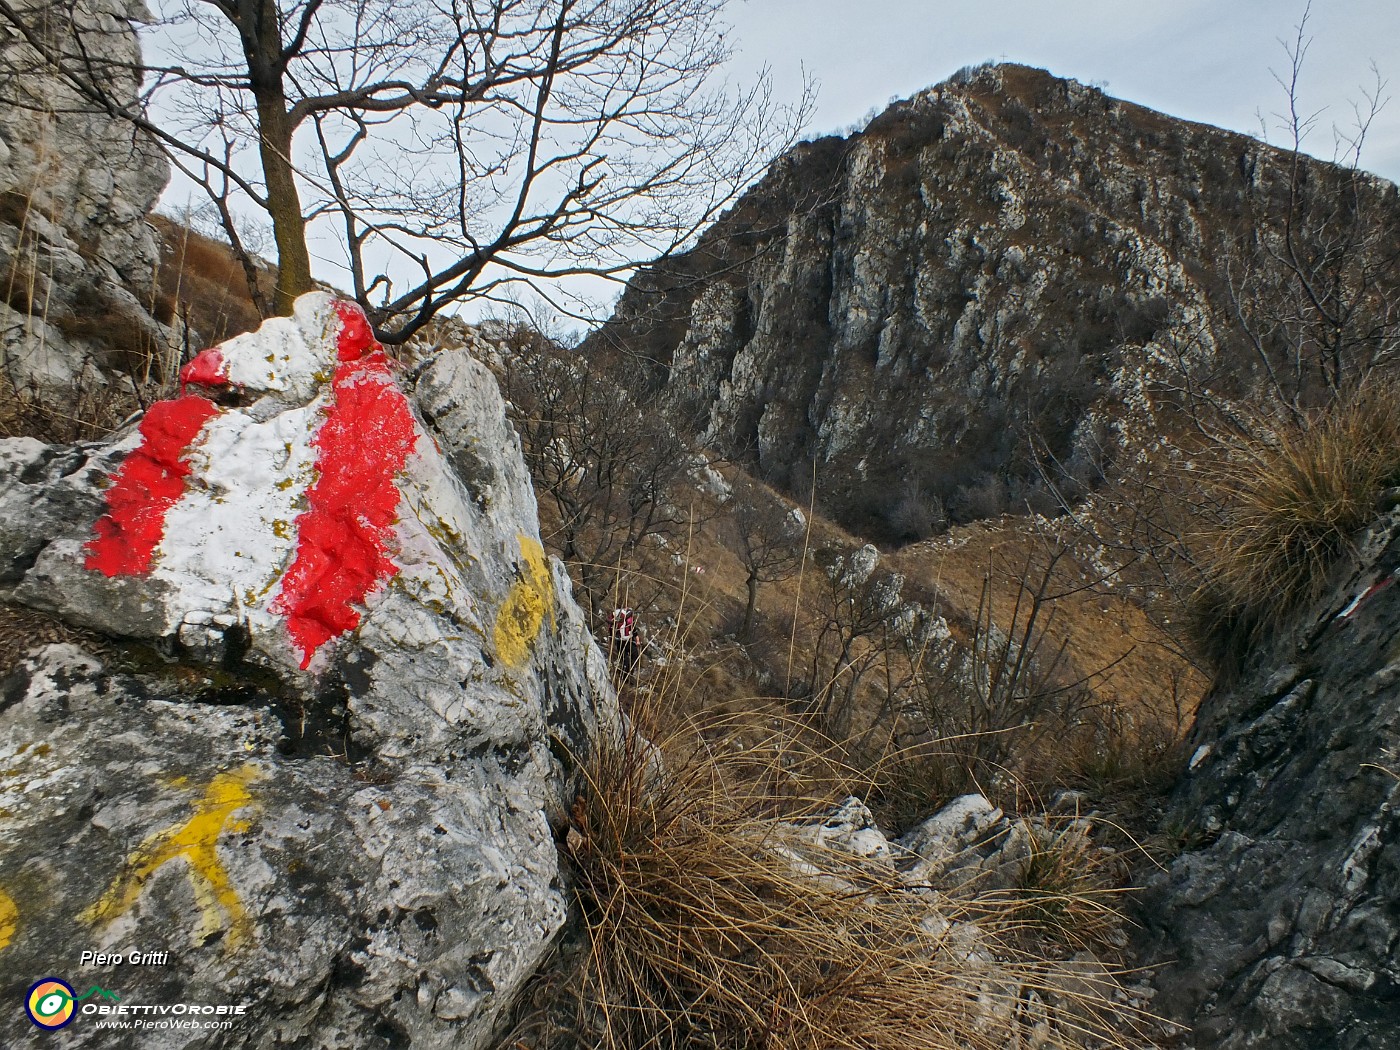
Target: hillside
[(1000, 290), (811, 658)]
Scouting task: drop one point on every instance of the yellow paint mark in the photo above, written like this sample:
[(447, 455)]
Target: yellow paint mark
[(9, 919), (523, 612), (196, 840), (282, 529)]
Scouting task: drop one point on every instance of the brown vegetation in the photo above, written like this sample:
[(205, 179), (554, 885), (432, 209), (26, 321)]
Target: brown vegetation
[(1293, 496), (704, 923), (201, 284)]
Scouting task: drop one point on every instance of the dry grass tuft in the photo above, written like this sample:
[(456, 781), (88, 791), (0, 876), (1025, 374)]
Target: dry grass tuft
[(708, 921), (1064, 889), (1294, 496)]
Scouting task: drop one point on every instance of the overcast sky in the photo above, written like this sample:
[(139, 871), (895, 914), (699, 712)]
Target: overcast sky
[(1205, 60)]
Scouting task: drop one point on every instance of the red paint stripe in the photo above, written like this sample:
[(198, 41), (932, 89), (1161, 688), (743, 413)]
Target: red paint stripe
[(208, 368), (342, 549), (1361, 599), (356, 337), (146, 486)]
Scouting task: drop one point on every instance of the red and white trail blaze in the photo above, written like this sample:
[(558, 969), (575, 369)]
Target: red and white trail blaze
[(342, 550), (364, 433), (149, 482)]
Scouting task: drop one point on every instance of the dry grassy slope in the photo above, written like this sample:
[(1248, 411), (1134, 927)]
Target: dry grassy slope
[(692, 593), (1108, 638), (201, 284)]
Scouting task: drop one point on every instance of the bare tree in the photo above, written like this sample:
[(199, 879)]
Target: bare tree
[(607, 468), (1315, 294), (857, 631), (1008, 689), (457, 146), (766, 536)]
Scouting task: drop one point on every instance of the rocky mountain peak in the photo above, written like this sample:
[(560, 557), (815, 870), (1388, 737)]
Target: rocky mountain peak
[(987, 295)]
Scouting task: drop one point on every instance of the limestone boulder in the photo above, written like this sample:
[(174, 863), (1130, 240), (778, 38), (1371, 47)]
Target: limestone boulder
[(317, 748)]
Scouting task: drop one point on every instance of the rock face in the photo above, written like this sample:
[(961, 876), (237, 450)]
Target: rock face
[(317, 758), (1003, 257), (1278, 925), (77, 260)]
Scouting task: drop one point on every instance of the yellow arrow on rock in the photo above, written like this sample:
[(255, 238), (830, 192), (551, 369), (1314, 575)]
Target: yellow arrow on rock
[(196, 841)]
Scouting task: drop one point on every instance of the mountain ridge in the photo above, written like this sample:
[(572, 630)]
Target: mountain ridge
[(1004, 258)]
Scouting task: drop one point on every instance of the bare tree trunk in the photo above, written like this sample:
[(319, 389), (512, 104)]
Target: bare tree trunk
[(284, 205), (752, 607), (262, 45)]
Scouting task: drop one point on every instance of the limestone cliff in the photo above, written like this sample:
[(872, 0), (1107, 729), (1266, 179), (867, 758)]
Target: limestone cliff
[(1004, 279), (77, 260)]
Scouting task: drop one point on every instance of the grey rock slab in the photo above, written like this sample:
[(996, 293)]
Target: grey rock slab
[(1278, 924), (350, 833)]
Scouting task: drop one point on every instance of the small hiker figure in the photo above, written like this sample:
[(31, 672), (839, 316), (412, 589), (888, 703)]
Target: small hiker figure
[(626, 641)]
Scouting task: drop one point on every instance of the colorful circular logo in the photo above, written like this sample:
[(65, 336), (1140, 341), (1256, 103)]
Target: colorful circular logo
[(50, 1003)]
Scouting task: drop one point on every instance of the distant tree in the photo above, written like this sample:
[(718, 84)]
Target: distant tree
[(607, 467), (1315, 293), (766, 536), (861, 608), (459, 146)]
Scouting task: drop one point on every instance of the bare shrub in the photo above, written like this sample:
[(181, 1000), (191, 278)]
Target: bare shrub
[(766, 535), (607, 467), (987, 705), (88, 407), (857, 631)]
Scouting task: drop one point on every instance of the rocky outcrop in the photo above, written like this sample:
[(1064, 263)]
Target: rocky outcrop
[(1006, 278), (965, 872), (314, 760), (77, 260), (1277, 926)]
